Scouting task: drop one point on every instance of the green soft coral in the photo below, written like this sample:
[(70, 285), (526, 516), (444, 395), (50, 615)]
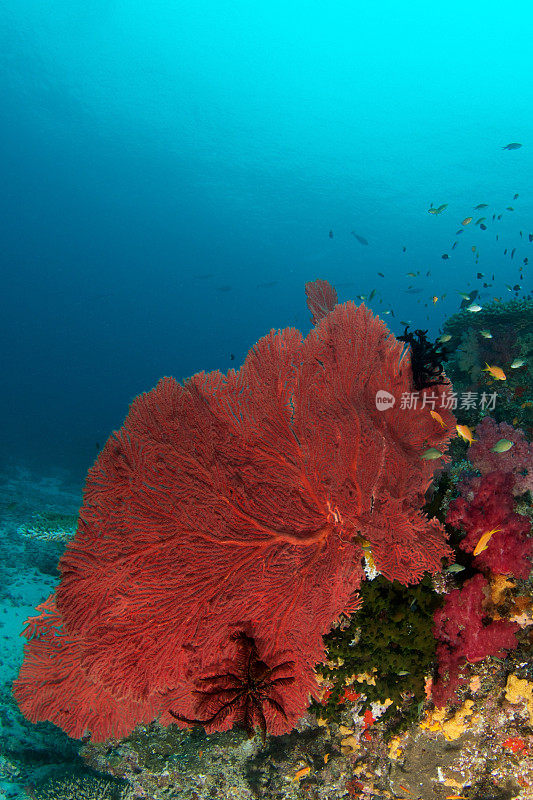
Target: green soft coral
[(391, 636)]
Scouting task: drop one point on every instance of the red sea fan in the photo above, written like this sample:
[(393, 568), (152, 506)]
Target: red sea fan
[(236, 506), (321, 299)]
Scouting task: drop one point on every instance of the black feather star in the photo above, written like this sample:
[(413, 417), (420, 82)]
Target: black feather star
[(426, 359), (244, 693)]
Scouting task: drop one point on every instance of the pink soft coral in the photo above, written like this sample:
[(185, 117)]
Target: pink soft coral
[(463, 637), (518, 460), (489, 505)]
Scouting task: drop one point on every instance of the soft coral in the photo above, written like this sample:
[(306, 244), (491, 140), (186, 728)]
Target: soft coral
[(489, 505), (463, 635)]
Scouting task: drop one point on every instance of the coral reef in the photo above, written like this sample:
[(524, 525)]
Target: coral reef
[(500, 334), (78, 788), (236, 504)]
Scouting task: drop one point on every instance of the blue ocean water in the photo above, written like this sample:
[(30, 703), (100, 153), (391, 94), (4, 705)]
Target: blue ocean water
[(173, 173)]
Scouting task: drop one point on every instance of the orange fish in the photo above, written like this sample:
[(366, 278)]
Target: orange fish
[(466, 221), (435, 299), (465, 433), (497, 372), (436, 416), (484, 541), (302, 773)]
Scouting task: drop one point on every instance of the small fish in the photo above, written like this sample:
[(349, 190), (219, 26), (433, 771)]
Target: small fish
[(437, 211), (458, 232), (465, 433), (473, 308), (481, 219), (454, 568), (445, 338), (484, 541), (464, 296), (404, 672), (517, 363), (516, 197), (486, 334), (431, 454), (530, 237), (509, 208), (302, 773), (454, 245), (381, 275), (436, 416), (482, 226), (479, 275), (411, 274), (371, 295), (473, 248), (502, 446), (526, 261), (480, 206), (513, 251), (435, 299), (496, 372), (466, 221), (232, 356), (360, 239), (445, 256), (512, 146), (331, 234), (404, 249)]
